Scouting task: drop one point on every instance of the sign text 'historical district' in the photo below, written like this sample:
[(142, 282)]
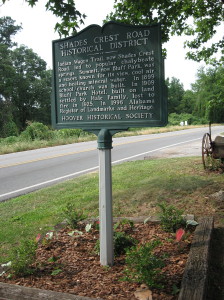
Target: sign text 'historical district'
[(110, 77)]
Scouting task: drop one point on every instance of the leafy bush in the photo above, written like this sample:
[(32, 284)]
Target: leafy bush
[(36, 131), (175, 119), (122, 242), (73, 215), (122, 223), (170, 217), (65, 133), (10, 129), (10, 140), (22, 257), (143, 266)]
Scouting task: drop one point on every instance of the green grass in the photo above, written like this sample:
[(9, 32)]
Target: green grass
[(137, 188), (8, 145)]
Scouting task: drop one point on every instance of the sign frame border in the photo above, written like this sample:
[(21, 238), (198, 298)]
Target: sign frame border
[(96, 126)]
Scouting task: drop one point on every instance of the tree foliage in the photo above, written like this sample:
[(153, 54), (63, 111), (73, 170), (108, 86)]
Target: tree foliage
[(28, 94), (209, 94), (198, 19), (25, 84), (175, 95), (66, 11), (7, 30), (205, 101)]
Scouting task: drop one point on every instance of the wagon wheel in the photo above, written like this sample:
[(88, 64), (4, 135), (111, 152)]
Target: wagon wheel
[(207, 151)]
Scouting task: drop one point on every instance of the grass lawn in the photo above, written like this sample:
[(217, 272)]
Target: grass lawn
[(137, 188)]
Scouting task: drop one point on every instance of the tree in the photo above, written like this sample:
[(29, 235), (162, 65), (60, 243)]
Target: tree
[(175, 95), (187, 103), (7, 30), (66, 11), (209, 94), (196, 18), (31, 88), (25, 84)]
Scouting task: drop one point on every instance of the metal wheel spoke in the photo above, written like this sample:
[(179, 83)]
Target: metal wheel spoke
[(207, 150)]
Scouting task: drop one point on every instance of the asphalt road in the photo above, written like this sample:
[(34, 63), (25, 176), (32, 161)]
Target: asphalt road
[(24, 172)]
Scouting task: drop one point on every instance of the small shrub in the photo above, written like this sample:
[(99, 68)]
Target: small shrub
[(96, 225), (174, 119), (121, 224), (36, 131), (213, 164), (73, 215), (122, 242), (56, 272), (10, 140), (10, 129), (97, 247), (65, 133), (22, 257), (170, 217), (143, 266)]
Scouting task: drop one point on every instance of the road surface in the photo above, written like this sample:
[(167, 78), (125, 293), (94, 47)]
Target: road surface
[(24, 172)]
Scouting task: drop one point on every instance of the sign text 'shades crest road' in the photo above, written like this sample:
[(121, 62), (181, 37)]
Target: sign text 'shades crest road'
[(109, 77)]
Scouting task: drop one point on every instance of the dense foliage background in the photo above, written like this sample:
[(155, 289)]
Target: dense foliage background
[(25, 82)]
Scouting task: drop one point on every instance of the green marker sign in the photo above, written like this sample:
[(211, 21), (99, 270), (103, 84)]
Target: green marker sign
[(110, 77)]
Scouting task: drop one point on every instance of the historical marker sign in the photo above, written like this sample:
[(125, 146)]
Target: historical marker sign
[(110, 77), (106, 80)]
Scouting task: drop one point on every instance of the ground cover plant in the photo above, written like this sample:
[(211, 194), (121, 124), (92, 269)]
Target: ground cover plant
[(67, 261), (181, 182)]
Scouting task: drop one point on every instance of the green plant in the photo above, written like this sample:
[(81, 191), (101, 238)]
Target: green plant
[(36, 131), (143, 266), (73, 215), (122, 223), (175, 290), (97, 247), (96, 225), (22, 257), (10, 140), (65, 133), (122, 242), (9, 128), (53, 259), (213, 164), (170, 217), (56, 272), (174, 119)]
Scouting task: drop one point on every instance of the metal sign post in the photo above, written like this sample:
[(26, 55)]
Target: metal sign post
[(105, 198)]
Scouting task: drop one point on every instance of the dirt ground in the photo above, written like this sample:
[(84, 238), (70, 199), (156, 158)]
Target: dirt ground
[(190, 149), (70, 264), (216, 271)]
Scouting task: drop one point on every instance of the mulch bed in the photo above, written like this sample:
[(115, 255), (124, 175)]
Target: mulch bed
[(80, 272)]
